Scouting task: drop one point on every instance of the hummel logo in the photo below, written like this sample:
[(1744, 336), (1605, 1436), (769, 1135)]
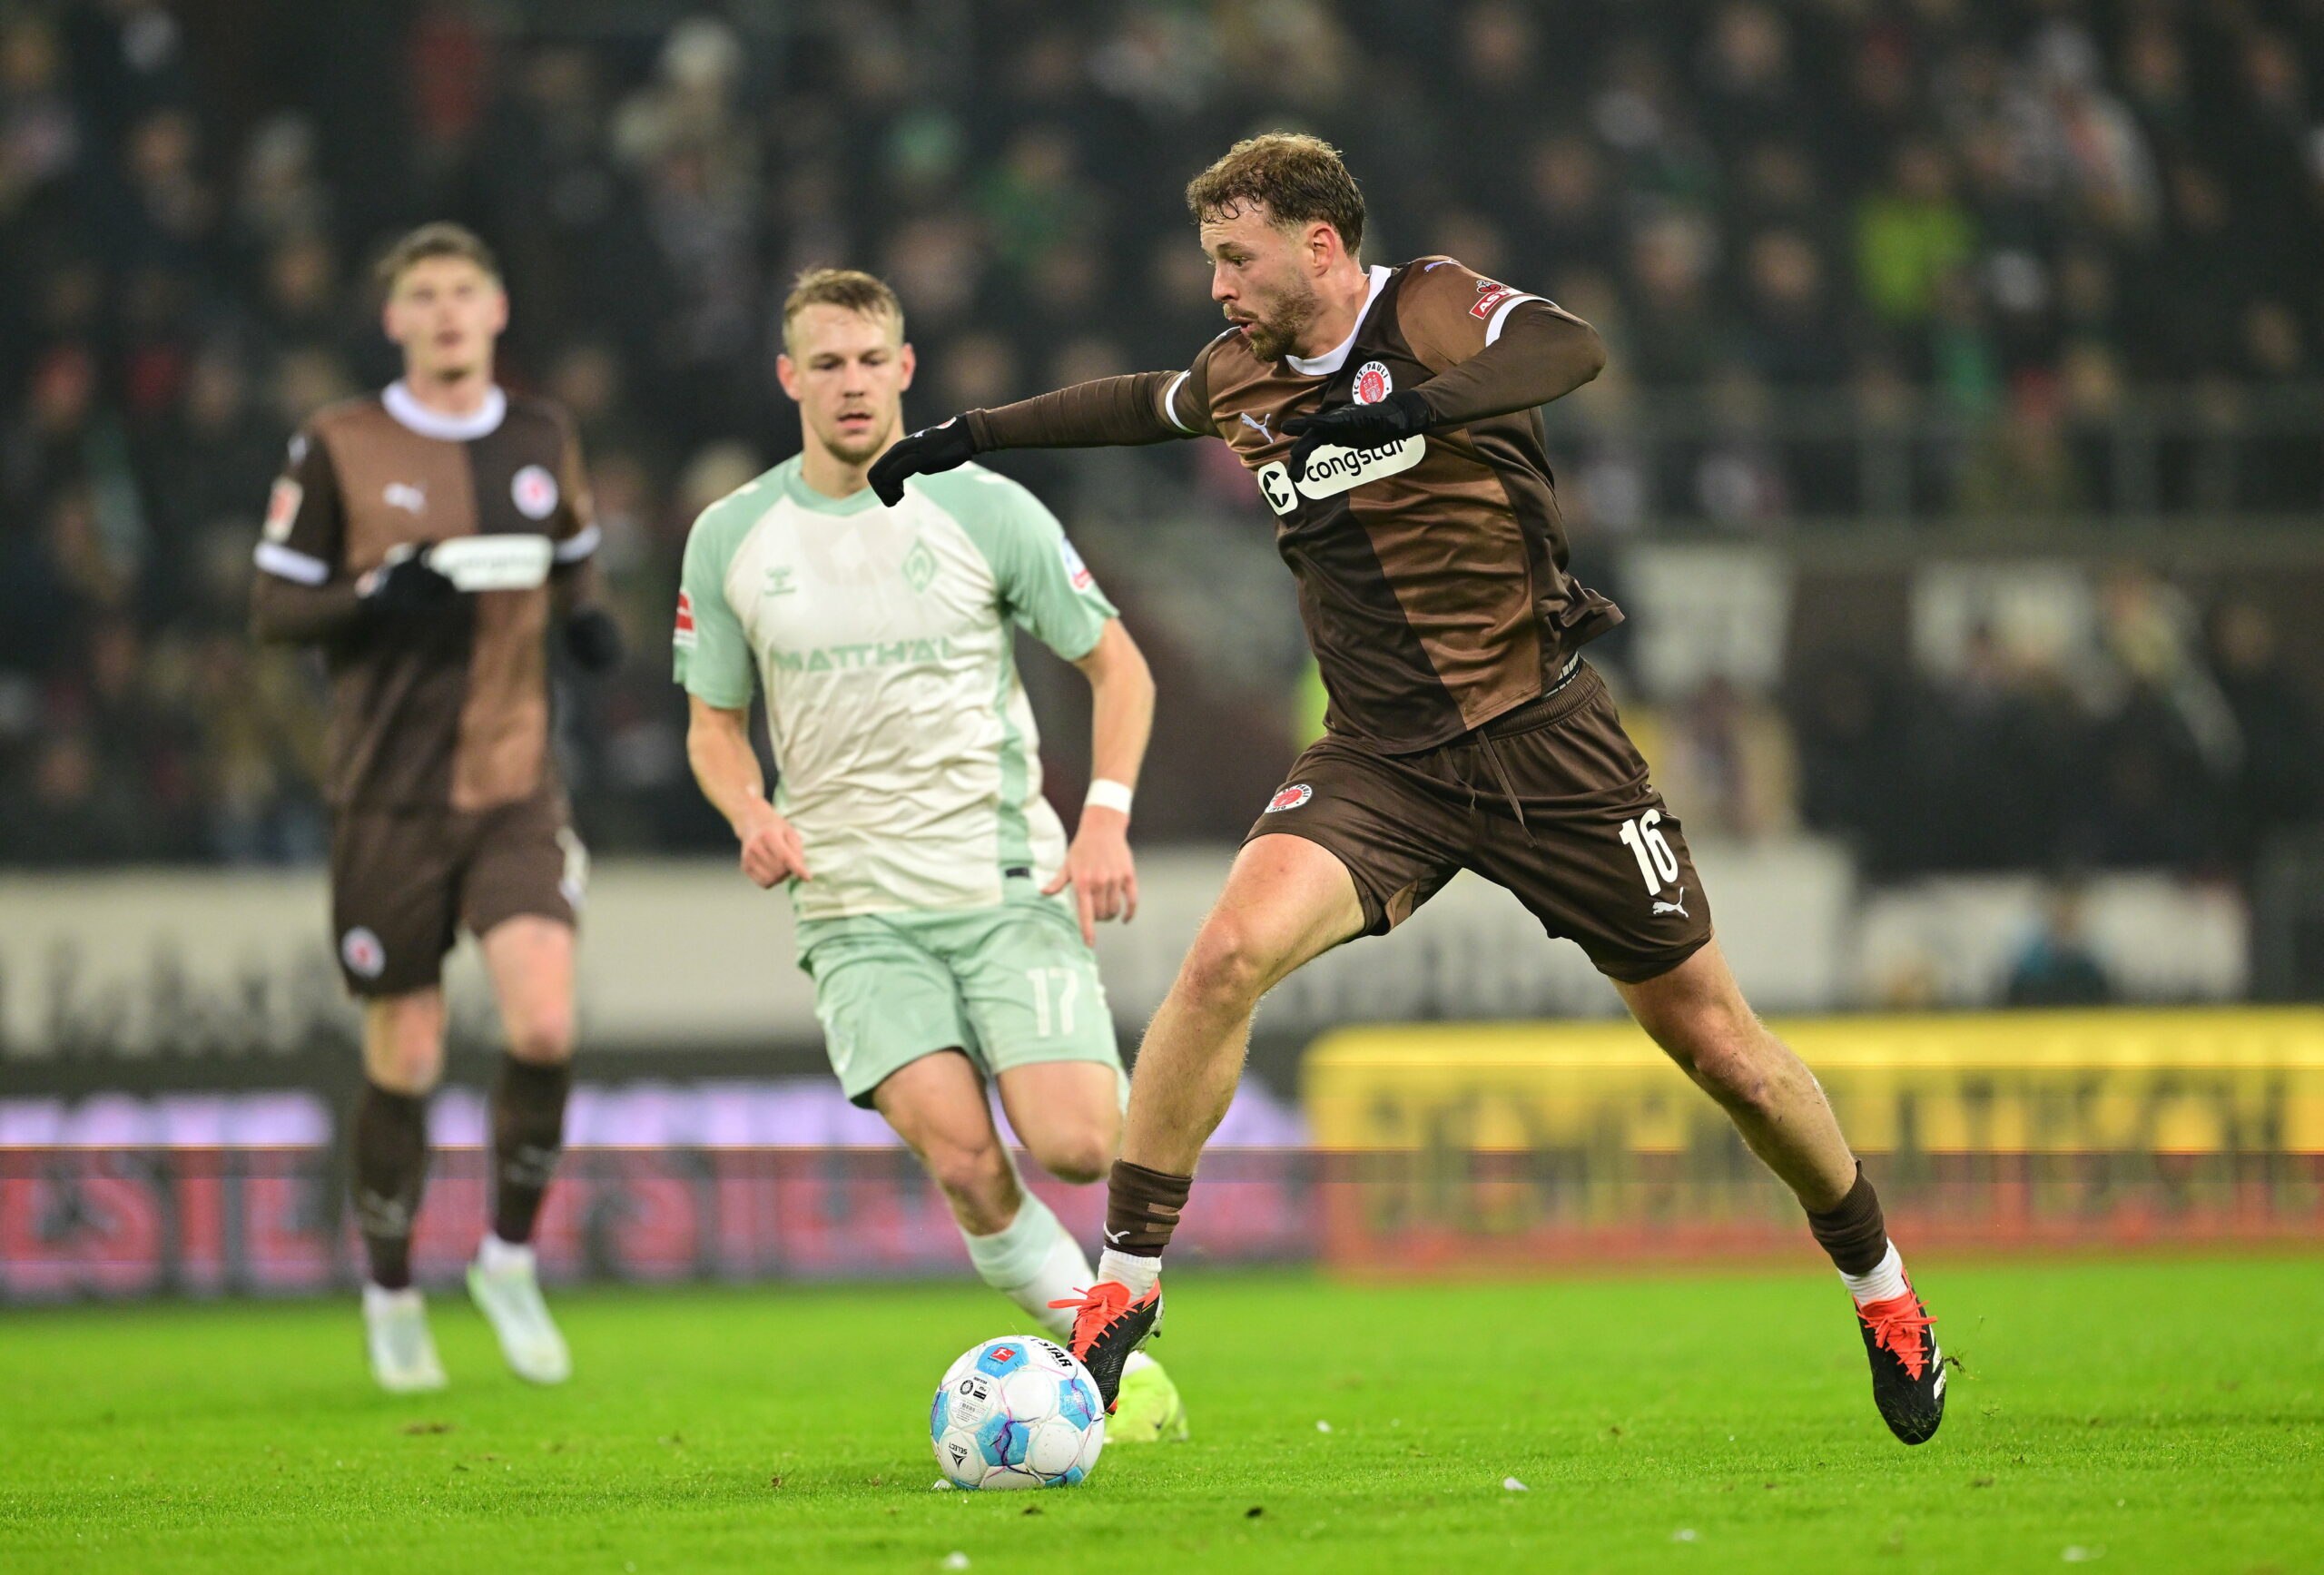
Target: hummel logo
[(1678, 906), (404, 496), (1258, 424)]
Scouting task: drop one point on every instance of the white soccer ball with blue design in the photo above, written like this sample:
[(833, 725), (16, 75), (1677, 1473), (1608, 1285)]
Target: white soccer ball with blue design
[(1017, 1413)]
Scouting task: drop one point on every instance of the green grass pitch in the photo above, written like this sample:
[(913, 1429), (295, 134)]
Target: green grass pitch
[(2150, 1415)]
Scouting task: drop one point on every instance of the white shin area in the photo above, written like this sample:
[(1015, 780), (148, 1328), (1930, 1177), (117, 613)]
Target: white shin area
[(1033, 1261)]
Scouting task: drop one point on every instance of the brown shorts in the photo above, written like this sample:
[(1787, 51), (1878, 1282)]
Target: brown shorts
[(402, 881), (1595, 857)]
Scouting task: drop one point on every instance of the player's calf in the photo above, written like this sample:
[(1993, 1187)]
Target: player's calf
[(1699, 1016)]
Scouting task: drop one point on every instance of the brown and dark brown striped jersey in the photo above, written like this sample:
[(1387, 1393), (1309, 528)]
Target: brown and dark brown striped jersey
[(449, 712), (1431, 572)]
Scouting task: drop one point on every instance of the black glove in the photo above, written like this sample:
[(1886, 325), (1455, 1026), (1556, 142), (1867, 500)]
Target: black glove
[(407, 586), (946, 445), (593, 640), (1392, 420)]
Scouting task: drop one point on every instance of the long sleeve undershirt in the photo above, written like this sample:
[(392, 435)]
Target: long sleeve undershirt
[(1542, 354)]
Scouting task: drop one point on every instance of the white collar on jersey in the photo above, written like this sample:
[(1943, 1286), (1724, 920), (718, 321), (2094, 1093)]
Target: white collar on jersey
[(405, 407), (1323, 365)]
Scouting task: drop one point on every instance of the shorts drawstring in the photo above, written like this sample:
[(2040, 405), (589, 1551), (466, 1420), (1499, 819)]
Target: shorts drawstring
[(1508, 786), (1484, 739)]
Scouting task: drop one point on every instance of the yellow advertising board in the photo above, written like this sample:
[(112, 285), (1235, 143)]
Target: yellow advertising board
[(1461, 1142), (2190, 1081)]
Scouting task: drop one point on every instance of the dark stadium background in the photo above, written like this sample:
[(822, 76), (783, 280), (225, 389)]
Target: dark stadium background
[(1960, 461)]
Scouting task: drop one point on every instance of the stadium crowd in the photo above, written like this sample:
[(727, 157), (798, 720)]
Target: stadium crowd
[(1993, 232)]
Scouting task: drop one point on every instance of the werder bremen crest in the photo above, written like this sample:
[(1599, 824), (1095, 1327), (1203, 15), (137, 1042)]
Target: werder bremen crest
[(920, 566)]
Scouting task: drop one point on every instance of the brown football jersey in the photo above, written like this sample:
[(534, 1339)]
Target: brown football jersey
[(446, 712), (1431, 572)]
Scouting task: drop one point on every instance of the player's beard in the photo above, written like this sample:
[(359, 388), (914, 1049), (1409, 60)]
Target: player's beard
[(1272, 337), (862, 451)]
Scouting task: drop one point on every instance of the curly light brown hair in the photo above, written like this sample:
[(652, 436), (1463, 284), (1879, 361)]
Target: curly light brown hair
[(1299, 178)]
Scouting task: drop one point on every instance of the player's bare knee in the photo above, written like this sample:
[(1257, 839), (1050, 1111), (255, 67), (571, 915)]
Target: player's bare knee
[(406, 1066), (1229, 965), (973, 1173), (403, 1042), (1078, 1158), (544, 1039)]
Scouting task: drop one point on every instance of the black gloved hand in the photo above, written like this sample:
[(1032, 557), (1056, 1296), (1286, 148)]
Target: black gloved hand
[(407, 586), (1392, 420), (946, 445), (593, 640)]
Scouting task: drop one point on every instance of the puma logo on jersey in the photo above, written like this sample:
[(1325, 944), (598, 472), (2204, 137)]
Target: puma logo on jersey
[(1258, 424), (1677, 905), (403, 495)]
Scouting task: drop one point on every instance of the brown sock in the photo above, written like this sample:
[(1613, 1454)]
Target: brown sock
[(528, 1136), (1852, 1230), (1142, 1208), (390, 1172)]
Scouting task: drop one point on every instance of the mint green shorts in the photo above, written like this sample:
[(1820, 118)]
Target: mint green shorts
[(1011, 986)]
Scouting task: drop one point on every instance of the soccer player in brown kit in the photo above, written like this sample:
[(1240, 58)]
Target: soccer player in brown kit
[(1388, 416), (425, 538)]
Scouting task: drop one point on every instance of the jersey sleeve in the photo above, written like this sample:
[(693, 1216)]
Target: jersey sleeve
[(1448, 312), (303, 539), (1186, 398), (711, 655), (573, 529), (1044, 585)]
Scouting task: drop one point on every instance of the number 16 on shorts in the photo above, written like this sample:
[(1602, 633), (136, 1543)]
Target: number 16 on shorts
[(1657, 864)]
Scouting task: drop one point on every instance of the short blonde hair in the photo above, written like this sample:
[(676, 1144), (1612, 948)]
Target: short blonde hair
[(432, 240), (849, 289)]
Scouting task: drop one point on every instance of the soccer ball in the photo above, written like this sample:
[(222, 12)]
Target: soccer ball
[(1017, 1413)]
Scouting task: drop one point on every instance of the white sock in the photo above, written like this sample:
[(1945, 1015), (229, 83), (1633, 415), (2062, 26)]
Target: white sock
[(1033, 1261), (1130, 1269), (1885, 1280), (379, 1300), (496, 1256)]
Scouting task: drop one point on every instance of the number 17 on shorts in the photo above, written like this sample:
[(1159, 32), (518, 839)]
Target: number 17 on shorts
[(1056, 996)]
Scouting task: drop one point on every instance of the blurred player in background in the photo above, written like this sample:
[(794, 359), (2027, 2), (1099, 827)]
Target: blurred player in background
[(927, 870), (424, 539), (1388, 416)]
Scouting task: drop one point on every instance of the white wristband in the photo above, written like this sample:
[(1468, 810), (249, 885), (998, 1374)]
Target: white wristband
[(1109, 795)]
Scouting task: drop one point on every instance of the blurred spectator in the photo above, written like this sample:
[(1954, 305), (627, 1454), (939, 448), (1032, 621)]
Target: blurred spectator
[(2057, 967), (1910, 234), (2279, 776)]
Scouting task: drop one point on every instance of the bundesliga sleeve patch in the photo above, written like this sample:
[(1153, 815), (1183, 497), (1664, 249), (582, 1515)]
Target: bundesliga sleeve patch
[(1075, 569), (282, 508), (682, 632), (1490, 295)]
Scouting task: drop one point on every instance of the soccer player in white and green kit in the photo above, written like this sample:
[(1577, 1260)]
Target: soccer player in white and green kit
[(928, 874)]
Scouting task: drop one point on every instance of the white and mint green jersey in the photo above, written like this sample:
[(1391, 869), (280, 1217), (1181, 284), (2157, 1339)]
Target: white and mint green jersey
[(904, 746)]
